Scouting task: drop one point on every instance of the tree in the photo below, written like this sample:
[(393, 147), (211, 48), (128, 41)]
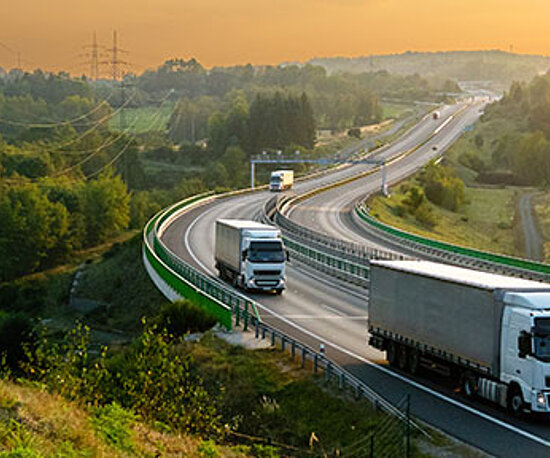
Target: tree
[(105, 204)]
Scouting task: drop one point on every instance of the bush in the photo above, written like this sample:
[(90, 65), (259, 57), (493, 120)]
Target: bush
[(425, 215), (115, 425), (179, 318), (415, 197), (151, 378), (355, 132)]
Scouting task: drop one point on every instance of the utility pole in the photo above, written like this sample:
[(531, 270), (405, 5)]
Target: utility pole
[(93, 57)]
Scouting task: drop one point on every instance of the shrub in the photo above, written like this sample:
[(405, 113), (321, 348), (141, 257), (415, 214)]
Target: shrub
[(179, 318), (114, 424), (415, 197), (354, 132), (425, 215)]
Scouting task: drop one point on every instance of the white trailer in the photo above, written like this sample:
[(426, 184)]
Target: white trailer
[(281, 180), (250, 255), (491, 332)]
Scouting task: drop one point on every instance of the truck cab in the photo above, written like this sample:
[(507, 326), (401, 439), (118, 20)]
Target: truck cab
[(250, 255), (281, 180), (525, 358), (263, 263)]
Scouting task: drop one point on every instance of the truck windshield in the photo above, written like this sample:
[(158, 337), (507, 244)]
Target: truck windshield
[(266, 252), (541, 338), (276, 179), (542, 347)]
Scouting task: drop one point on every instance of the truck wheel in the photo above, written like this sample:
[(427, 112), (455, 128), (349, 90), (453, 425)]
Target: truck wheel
[(469, 385), (402, 357), (515, 400), (278, 292), (391, 353), (413, 361)]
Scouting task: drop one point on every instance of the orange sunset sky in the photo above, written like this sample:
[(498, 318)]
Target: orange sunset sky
[(51, 33)]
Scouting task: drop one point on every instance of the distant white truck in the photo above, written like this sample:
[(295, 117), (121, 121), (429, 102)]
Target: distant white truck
[(250, 255), (281, 180), (490, 332)]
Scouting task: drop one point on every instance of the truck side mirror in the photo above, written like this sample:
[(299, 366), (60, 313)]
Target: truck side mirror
[(524, 344), (287, 255), (245, 255)]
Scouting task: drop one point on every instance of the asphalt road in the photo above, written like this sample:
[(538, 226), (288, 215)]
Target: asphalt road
[(317, 309), (533, 240)]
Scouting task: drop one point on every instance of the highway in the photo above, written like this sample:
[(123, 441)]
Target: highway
[(316, 309)]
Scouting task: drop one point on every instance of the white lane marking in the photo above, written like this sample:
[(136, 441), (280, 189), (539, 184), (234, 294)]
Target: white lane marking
[(325, 317), (333, 310), (188, 246), (417, 385)]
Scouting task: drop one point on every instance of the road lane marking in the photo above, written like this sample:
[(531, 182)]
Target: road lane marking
[(383, 369)]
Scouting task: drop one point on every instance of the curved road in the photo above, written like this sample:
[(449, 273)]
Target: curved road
[(317, 309), (533, 240)]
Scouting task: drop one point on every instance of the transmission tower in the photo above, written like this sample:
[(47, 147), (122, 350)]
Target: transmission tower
[(93, 57), (115, 62)]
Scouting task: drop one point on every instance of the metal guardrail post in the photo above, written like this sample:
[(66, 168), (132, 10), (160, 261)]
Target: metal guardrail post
[(238, 315), (283, 342), (304, 351), (315, 363), (293, 349), (272, 338), (328, 370), (246, 317), (257, 328)]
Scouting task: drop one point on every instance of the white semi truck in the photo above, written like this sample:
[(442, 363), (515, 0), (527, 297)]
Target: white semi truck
[(490, 332), (281, 180), (250, 255)]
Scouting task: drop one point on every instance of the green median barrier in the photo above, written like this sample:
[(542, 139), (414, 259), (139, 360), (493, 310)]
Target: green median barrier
[(508, 261)]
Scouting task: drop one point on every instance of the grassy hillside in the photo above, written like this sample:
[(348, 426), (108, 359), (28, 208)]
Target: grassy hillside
[(485, 221)]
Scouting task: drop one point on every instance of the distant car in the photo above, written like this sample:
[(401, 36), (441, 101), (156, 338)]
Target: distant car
[(434, 148)]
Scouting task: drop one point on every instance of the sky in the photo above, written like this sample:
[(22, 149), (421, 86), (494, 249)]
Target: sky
[(52, 34)]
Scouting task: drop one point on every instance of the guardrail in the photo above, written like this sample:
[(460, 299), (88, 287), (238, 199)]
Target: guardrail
[(354, 271), (318, 362), (176, 280), (468, 257)]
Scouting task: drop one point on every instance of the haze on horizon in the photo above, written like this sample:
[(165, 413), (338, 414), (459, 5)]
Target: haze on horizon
[(51, 34)]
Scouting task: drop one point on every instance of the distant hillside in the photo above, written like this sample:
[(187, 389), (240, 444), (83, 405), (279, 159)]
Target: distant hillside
[(498, 66)]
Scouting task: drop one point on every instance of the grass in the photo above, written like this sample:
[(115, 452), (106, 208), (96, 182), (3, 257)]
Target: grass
[(120, 280), (485, 222), (143, 119), (36, 423), (397, 111)]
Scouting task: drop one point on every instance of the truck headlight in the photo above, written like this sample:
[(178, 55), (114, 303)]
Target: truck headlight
[(541, 399)]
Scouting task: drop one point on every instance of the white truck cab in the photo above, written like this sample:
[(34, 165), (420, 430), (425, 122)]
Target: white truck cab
[(525, 340)]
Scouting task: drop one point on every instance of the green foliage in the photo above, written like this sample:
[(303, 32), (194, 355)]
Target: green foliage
[(472, 160), (415, 197), (425, 215), (157, 382), (114, 424), (151, 378), (105, 205), (179, 318), (34, 231), (208, 449), (442, 187)]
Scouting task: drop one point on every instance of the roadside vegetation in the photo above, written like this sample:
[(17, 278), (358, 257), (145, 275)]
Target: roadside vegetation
[(93, 359), (504, 156)]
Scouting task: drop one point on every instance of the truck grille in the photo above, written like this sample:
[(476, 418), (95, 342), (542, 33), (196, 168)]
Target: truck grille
[(267, 272), (268, 283)]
